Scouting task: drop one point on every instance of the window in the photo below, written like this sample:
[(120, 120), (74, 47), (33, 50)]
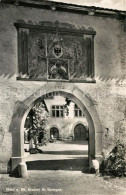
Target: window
[(57, 111), (77, 111)]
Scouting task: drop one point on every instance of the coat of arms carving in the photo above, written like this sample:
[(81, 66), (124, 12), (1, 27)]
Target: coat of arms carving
[(56, 46), (58, 69)]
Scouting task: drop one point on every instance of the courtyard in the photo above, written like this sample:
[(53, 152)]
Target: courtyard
[(62, 168), (60, 155)]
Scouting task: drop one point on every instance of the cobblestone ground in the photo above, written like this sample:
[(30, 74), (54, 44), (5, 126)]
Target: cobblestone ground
[(61, 169)]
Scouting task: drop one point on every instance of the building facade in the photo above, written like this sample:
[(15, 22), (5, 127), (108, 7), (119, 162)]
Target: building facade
[(78, 52), (66, 124)]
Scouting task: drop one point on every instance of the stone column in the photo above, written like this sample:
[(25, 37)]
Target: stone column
[(17, 135)]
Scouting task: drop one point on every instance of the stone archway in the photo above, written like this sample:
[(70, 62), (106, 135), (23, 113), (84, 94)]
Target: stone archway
[(67, 90)]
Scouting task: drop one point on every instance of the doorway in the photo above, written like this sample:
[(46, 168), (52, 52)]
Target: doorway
[(59, 150), (64, 89), (55, 132), (80, 132)]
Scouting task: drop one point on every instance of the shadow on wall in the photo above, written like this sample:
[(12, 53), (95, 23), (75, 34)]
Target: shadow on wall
[(6, 76), (68, 152), (76, 142)]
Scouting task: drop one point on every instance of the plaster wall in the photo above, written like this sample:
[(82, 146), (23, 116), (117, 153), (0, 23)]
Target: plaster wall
[(109, 41), (109, 101), (108, 94), (64, 124)]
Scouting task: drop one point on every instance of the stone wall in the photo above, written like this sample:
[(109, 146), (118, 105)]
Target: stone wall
[(109, 40), (109, 97), (108, 94)]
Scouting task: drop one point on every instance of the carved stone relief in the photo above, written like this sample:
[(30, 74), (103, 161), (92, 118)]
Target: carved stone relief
[(37, 63), (58, 69), (59, 54)]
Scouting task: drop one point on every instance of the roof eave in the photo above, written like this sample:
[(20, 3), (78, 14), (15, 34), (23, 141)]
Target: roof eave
[(57, 6)]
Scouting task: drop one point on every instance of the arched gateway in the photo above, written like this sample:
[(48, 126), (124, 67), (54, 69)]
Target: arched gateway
[(70, 91)]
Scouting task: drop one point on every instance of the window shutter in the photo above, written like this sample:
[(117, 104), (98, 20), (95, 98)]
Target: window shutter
[(23, 51), (90, 56)]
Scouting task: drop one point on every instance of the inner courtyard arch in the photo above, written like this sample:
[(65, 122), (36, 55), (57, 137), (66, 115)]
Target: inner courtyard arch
[(54, 131), (80, 132)]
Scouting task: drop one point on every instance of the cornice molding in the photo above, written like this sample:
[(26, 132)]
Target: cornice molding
[(57, 6), (63, 28)]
